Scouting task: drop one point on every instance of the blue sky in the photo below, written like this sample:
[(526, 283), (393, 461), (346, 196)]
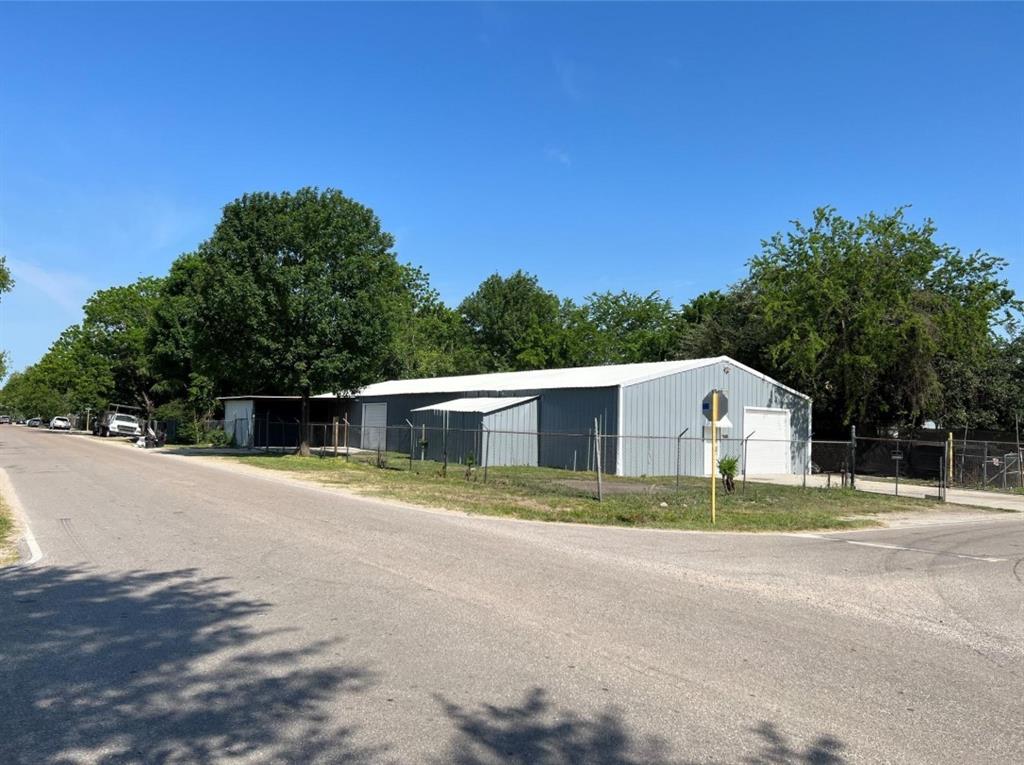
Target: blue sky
[(641, 147)]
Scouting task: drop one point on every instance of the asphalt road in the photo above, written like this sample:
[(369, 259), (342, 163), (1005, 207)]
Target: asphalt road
[(183, 613)]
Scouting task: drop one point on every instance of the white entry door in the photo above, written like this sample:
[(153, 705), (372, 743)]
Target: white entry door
[(375, 426), (769, 450)]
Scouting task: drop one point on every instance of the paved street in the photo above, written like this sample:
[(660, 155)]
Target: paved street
[(183, 613)]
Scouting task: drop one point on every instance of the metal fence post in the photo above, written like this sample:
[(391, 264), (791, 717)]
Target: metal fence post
[(487, 451), (597, 456), (807, 465), (747, 438), (444, 443), (1020, 454), (853, 456), (897, 469), (412, 438), (679, 454)]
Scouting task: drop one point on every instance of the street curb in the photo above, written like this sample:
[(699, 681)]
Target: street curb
[(27, 542)]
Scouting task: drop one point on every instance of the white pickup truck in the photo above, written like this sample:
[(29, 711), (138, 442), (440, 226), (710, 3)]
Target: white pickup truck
[(117, 424)]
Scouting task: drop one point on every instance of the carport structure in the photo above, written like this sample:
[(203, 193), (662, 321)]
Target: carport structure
[(498, 430)]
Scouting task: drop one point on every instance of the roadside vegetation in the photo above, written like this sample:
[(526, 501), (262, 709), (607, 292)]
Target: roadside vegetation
[(8, 552), (546, 494), (302, 293)]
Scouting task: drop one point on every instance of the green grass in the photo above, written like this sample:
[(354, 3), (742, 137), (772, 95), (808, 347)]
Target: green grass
[(558, 495)]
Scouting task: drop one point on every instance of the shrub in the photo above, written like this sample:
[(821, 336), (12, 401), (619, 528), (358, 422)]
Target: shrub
[(728, 467), (218, 437)]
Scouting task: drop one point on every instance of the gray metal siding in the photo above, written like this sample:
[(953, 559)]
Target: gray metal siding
[(511, 437), (505, 437), (567, 427), (565, 420), (657, 411), (461, 439)]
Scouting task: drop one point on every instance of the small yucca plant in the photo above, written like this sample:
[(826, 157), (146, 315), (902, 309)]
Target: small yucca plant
[(728, 467)]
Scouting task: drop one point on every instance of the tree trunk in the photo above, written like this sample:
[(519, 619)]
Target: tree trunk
[(304, 427)]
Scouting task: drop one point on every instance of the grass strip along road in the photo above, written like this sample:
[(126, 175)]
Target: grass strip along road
[(557, 495)]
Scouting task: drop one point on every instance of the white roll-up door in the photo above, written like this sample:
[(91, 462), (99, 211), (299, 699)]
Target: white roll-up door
[(769, 450), (375, 424)]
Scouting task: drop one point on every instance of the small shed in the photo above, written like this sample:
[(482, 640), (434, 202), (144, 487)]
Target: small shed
[(496, 430)]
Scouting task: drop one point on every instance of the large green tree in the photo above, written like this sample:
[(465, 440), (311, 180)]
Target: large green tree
[(72, 376), (513, 323), (184, 390), (433, 340), (618, 328), (6, 285), (861, 314), (117, 322), (297, 293)]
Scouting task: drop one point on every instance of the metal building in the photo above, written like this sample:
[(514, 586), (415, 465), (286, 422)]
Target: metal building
[(649, 417)]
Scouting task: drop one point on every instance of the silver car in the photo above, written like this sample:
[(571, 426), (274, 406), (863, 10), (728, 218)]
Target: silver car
[(60, 423)]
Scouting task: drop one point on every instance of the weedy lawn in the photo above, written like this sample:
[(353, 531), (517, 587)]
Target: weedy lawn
[(557, 495)]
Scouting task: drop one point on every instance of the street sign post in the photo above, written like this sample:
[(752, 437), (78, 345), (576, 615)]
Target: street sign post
[(897, 455), (707, 408), (714, 407)]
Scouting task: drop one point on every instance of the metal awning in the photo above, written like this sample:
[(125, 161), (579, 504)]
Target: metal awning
[(479, 405)]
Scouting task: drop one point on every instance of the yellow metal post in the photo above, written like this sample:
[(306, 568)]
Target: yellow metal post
[(714, 450)]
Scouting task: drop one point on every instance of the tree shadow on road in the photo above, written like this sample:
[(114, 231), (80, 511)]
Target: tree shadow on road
[(537, 732), (777, 749), (158, 668)]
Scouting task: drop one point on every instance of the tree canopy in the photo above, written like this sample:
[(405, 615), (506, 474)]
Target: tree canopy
[(297, 293), (879, 321), (6, 285), (866, 315)]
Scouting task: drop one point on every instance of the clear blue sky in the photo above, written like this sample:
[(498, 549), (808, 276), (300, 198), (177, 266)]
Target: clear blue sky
[(599, 146)]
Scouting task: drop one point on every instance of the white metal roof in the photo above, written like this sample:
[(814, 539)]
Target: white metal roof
[(539, 379), (482, 404), (611, 375), (260, 397)]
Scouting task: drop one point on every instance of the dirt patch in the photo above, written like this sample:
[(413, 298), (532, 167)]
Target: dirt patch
[(899, 520)]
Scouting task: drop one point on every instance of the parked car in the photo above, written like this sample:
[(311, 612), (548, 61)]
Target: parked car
[(34, 422), (60, 423), (113, 423), (5, 419)]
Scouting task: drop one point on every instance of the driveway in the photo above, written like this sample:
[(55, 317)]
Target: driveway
[(994, 500), (188, 614)]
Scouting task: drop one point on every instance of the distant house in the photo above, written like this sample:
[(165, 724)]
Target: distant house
[(648, 415)]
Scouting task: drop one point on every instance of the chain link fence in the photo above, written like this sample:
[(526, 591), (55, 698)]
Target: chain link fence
[(644, 463)]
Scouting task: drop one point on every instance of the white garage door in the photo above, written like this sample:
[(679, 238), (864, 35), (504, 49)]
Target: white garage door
[(768, 450), (375, 423)]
